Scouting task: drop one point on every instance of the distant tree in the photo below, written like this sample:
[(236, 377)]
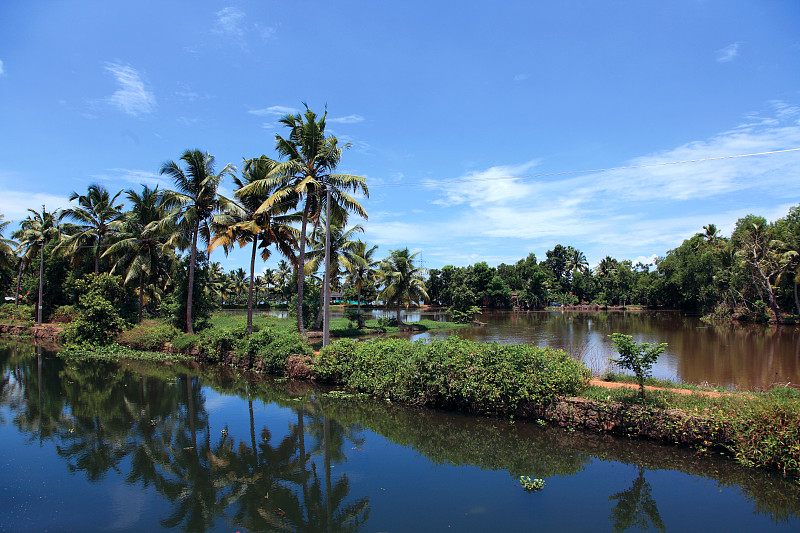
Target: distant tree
[(403, 282), (93, 218)]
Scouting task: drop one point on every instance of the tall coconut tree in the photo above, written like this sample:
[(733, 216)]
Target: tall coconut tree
[(576, 261), (6, 245), (36, 232), (93, 222), (191, 206), (362, 271), (404, 282), (308, 174), (243, 223), (140, 250)]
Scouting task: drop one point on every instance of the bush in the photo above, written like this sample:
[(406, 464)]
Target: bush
[(184, 342), (19, 315), (216, 342), (98, 322), (273, 349), (387, 322), (638, 358), (453, 373), (64, 314), (150, 335), (334, 363), (769, 432)]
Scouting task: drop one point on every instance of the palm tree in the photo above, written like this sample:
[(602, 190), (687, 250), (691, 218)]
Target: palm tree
[(37, 231), (93, 217), (283, 276), (244, 222), (576, 261), (308, 173), (362, 271), (340, 252), (6, 245), (140, 247), (404, 282), (191, 206), (215, 288)]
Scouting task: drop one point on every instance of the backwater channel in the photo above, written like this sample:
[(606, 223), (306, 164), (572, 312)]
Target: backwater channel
[(98, 446)]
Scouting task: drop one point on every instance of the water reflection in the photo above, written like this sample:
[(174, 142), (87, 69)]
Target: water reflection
[(215, 451), (636, 507)]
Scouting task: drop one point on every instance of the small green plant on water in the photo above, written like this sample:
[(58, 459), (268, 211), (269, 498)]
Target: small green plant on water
[(531, 485), (638, 358)]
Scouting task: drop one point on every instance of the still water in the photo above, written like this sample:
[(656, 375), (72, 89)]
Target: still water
[(745, 357), (95, 446)]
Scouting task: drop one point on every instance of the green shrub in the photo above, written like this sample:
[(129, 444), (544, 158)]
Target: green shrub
[(216, 342), (274, 348), (184, 342), (453, 373), (18, 315), (98, 322), (150, 335), (769, 431), (638, 358), (334, 363), (64, 314), (387, 322)]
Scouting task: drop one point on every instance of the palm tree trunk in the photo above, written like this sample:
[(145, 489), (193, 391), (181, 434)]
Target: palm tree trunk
[(141, 296), (320, 311), (326, 289), (301, 264), (250, 291), (190, 290), (97, 256), (41, 276), (358, 298), (22, 268)]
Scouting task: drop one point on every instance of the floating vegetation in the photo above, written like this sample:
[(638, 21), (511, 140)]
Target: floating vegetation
[(531, 485)]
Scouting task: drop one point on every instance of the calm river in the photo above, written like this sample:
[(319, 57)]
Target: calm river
[(95, 446)]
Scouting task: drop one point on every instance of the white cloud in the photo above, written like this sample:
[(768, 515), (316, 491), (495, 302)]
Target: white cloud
[(132, 97), (230, 22), (134, 177), (274, 110), (15, 204), (521, 77), (729, 53), (625, 212), (349, 119), (1, 68)]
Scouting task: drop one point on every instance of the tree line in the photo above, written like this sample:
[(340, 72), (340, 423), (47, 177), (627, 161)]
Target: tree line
[(159, 247), (751, 275)]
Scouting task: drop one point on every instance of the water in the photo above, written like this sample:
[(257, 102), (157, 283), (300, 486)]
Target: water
[(89, 446)]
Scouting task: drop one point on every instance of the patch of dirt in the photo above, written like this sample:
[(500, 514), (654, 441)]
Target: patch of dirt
[(618, 385)]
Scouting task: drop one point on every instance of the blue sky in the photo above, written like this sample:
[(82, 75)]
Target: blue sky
[(473, 121)]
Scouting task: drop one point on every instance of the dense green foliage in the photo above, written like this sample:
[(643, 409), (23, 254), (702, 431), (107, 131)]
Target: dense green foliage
[(753, 276), (452, 373), (98, 322)]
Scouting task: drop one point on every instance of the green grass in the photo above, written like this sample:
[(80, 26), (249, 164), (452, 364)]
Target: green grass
[(341, 327), (230, 320)]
